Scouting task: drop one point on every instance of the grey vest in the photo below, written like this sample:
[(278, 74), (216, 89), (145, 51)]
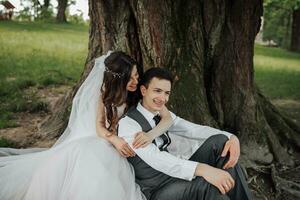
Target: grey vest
[(148, 178)]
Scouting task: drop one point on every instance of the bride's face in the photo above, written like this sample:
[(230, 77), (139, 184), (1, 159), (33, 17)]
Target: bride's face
[(156, 95), (133, 82)]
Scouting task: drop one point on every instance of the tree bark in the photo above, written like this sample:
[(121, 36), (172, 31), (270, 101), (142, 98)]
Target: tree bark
[(295, 38), (61, 11), (209, 47)]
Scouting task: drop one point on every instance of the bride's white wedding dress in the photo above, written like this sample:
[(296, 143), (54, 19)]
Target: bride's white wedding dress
[(80, 165)]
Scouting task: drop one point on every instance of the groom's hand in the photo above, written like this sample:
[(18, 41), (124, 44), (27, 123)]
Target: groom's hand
[(217, 177), (232, 146)]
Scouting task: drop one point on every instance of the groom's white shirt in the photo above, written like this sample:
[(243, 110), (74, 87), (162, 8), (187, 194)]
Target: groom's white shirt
[(160, 160)]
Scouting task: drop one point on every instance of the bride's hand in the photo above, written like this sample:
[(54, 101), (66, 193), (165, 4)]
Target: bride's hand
[(123, 148), (141, 140), (164, 112)]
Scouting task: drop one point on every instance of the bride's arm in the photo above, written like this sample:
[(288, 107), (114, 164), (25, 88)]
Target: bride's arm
[(142, 139), (119, 143), (164, 124)]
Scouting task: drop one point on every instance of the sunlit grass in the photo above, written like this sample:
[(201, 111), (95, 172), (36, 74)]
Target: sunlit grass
[(277, 72), (41, 50), (37, 54)]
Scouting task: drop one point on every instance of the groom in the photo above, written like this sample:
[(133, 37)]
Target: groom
[(212, 172)]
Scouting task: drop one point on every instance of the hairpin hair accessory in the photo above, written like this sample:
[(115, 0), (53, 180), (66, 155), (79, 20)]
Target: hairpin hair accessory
[(114, 74)]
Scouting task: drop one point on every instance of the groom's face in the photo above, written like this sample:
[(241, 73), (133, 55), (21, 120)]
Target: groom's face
[(156, 95)]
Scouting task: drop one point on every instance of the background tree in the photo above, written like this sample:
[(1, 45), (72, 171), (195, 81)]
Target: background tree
[(46, 4), (61, 11), (62, 8), (46, 10), (33, 10), (282, 23), (295, 38), (208, 46)]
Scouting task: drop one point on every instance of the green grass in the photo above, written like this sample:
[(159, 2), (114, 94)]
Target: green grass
[(277, 72), (38, 51), (37, 54), (6, 143)]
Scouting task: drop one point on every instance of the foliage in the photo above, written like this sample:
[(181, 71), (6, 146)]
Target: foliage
[(278, 20), (6, 143), (24, 14), (46, 14), (77, 18), (33, 10)]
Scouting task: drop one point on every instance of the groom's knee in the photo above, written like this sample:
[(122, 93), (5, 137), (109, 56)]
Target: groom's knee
[(217, 141)]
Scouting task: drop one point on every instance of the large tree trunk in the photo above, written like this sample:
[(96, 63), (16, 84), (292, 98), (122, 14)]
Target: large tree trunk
[(209, 46), (295, 39), (61, 11)]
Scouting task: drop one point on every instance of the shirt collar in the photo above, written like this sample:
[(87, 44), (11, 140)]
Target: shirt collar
[(147, 114)]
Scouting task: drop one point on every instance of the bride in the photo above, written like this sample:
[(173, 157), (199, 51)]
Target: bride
[(89, 160)]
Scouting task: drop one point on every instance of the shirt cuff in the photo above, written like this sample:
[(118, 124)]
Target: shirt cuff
[(227, 134), (190, 168)]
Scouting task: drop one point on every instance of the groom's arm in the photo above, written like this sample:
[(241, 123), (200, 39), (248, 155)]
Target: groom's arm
[(188, 129), (159, 160)]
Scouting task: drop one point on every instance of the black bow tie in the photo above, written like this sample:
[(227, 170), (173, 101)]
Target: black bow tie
[(165, 137), (157, 119)]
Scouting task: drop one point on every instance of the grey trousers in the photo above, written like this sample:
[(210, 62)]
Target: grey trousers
[(199, 188)]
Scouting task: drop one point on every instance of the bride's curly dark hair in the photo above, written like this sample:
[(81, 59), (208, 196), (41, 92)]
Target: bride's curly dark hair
[(114, 93)]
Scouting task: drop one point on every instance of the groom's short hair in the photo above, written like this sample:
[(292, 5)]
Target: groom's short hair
[(156, 72)]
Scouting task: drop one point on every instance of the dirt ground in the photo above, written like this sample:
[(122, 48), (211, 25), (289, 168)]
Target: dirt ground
[(26, 134)]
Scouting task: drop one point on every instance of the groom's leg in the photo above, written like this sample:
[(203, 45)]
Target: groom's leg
[(197, 189), (241, 189), (210, 153)]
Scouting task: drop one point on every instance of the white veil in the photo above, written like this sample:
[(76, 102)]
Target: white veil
[(82, 121)]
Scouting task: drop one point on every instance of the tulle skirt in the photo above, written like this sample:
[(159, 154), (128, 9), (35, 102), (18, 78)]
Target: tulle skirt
[(86, 168)]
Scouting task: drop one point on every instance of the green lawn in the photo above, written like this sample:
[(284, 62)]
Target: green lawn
[(277, 72), (37, 54)]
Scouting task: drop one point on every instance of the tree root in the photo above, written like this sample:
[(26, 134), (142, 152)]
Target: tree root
[(285, 185), (281, 136), (282, 184), (260, 183), (284, 127)]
